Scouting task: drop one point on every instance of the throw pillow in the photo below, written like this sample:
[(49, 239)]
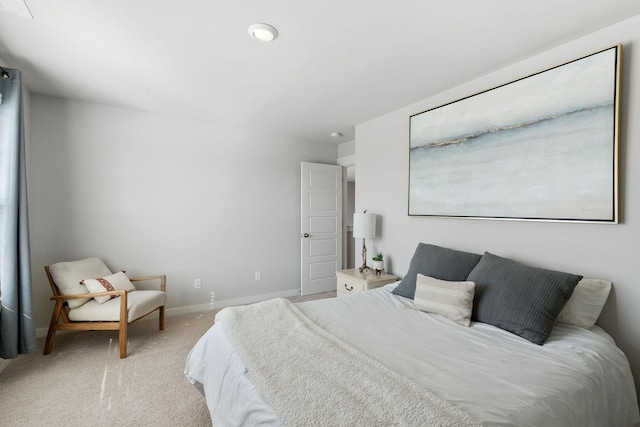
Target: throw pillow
[(453, 300), (518, 298), (115, 282), (586, 303), (437, 262)]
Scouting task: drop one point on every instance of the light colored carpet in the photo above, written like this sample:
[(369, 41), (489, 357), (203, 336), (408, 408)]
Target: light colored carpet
[(83, 382)]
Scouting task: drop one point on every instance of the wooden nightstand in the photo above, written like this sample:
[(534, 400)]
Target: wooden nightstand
[(352, 281)]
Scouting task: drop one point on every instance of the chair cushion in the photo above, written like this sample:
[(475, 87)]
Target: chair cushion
[(68, 275), (139, 304), (115, 282)]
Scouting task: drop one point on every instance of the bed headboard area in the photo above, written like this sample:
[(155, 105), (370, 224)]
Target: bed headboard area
[(604, 251), (518, 298)]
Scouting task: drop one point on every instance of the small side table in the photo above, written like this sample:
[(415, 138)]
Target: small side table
[(351, 281)]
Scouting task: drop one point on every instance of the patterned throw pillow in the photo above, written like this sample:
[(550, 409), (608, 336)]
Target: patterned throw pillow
[(115, 282), (453, 300)]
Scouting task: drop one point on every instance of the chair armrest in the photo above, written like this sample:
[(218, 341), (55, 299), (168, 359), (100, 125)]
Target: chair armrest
[(161, 277), (77, 296)]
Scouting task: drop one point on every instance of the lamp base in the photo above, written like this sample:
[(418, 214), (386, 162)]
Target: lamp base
[(364, 257)]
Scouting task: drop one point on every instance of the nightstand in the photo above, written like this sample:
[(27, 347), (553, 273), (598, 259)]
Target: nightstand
[(351, 281)]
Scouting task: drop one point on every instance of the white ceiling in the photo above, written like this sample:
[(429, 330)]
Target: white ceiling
[(335, 64)]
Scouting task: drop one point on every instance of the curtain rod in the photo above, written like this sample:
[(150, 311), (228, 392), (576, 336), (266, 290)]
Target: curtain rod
[(5, 73)]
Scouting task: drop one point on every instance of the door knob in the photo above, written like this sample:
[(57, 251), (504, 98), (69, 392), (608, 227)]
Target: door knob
[(305, 235)]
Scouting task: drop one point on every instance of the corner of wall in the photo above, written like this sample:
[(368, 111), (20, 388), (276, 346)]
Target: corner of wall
[(347, 148)]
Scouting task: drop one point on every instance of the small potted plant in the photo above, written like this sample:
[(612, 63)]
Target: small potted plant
[(378, 263)]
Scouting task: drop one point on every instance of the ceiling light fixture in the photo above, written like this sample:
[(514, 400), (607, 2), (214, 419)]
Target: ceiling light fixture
[(336, 134), (263, 32)]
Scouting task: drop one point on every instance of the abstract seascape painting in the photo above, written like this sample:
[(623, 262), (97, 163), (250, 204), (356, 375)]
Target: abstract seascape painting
[(541, 148)]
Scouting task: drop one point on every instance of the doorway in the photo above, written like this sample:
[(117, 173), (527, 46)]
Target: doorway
[(322, 230), (350, 209)]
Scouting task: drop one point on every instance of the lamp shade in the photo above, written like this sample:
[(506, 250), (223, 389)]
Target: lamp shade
[(364, 225)]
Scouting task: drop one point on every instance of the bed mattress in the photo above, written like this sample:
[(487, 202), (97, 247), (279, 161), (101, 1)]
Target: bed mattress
[(577, 378)]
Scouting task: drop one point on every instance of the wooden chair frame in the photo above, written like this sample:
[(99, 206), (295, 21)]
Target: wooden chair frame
[(61, 311)]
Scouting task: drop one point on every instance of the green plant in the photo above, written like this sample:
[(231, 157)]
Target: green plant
[(378, 257)]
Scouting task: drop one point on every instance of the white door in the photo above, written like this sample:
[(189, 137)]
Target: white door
[(321, 227)]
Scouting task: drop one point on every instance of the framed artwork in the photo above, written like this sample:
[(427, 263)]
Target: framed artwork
[(541, 148)]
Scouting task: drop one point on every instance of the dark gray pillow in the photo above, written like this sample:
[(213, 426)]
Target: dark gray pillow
[(518, 298), (438, 262)]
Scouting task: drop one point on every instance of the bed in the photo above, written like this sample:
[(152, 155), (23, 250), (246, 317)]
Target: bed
[(381, 358)]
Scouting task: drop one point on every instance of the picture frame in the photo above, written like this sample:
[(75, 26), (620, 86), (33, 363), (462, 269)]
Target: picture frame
[(540, 148)]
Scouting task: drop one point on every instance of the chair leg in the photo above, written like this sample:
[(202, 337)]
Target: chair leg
[(161, 317), (51, 334), (123, 339)]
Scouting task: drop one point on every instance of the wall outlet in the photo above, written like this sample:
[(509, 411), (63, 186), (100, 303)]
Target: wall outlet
[(258, 276), (197, 284)]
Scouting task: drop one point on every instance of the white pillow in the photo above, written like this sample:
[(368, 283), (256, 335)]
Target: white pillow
[(115, 282), (453, 300), (586, 303)]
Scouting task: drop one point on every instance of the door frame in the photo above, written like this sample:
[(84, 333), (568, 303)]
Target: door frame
[(326, 281)]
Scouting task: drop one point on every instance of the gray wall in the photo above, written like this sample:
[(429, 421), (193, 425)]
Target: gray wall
[(593, 250), (160, 194)]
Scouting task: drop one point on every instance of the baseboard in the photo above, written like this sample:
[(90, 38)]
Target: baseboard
[(213, 305), (256, 298)]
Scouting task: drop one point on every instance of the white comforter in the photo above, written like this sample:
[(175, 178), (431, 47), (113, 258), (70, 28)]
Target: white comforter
[(578, 378)]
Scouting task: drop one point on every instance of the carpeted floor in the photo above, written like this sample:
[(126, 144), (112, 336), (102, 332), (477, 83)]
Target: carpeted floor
[(83, 382)]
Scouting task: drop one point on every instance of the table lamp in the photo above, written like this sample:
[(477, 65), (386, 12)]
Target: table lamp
[(364, 227)]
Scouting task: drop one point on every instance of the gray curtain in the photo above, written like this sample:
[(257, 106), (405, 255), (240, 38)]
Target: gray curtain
[(17, 329)]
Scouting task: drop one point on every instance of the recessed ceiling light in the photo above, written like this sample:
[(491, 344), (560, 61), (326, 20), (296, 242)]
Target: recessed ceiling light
[(263, 32)]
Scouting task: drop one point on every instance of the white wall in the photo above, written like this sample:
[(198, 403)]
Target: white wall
[(158, 194), (595, 250), (347, 148)]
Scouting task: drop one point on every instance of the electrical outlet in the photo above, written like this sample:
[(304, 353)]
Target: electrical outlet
[(197, 284), (258, 276)]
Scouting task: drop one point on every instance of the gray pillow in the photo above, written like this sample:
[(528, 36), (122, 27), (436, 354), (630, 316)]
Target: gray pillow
[(438, 262), (518, 298)]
